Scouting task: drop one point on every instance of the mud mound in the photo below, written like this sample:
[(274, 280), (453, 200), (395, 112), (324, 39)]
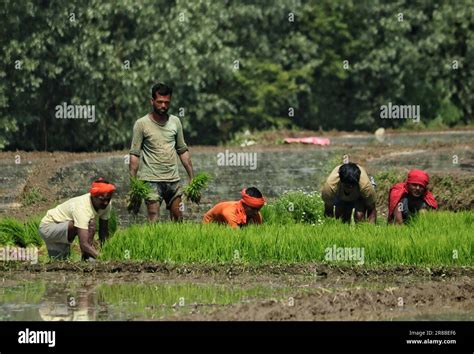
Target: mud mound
[(232, 270), (408, 301)]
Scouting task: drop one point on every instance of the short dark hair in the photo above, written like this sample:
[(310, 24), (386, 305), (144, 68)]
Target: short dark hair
[(254, 192), (349, 173), (162, 89)]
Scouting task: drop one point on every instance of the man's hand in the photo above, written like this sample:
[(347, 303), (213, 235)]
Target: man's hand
[(85, 242)]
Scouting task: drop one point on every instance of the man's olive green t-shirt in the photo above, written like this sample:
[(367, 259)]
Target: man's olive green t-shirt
[(332, 189), (158, 146)]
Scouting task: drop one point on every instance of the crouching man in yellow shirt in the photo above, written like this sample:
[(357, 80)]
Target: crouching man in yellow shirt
[(76, 217)]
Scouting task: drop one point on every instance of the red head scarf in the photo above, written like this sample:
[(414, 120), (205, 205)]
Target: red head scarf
[(418, 177), (101, 187), (399, 190), (252, 202)]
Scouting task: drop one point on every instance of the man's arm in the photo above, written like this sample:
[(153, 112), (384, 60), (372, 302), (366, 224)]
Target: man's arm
[(398, 217), (134, 163), (182, 150), (135, 149), (103, 231), (327, 195), (185, 158), (328, 210), (86, 248), (372, 214)]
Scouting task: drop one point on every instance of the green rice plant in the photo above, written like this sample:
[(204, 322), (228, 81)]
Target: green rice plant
[(113, 223), (14, 230), (434, 238), (295, 206), (32, 236), (193, 190), (6, 239), (139, 190)]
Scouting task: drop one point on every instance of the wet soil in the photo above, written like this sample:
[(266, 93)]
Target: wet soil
[(233, 270), (311, 291), (406, 301)]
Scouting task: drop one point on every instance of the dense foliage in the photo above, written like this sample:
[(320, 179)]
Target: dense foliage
[(234, 65)]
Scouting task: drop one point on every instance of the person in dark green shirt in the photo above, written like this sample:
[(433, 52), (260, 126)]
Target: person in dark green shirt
[(157, 144)]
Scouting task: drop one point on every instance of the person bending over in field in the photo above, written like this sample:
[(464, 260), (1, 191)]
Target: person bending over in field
[(409, 197), (349, 187), (157, 143), (76, 217), (238, 213)]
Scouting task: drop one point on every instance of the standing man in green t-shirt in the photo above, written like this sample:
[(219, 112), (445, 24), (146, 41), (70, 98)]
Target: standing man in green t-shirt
[(157, 142)]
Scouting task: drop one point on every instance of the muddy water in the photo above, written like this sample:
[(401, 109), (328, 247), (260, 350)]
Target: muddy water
[(75, 297), (83, 300)]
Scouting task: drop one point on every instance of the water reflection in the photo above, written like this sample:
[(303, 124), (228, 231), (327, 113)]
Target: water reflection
[(36, 301)]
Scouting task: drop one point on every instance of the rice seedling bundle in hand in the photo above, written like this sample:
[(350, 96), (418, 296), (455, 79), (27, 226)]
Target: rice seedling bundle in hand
[(193, 191), (138, 191)]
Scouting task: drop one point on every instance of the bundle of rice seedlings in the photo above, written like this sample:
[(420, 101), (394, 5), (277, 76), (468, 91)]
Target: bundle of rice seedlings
[(194, 189), (13, 230), (6, 239), (138, 191)]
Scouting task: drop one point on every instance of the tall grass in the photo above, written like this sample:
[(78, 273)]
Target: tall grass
[(438, 238)]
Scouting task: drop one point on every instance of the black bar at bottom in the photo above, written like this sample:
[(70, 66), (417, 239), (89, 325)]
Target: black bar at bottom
[(291, 337)]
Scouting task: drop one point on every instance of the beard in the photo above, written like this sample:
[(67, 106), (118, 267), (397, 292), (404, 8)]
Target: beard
[(160, 112)]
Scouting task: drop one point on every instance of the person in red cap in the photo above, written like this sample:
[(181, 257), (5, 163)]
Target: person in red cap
[(76, 217), (238, 213), (409, 197)]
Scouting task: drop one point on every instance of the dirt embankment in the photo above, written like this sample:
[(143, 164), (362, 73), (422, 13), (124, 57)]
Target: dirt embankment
[(43, 166), (234, 270), (353, 304), (452, 183)]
